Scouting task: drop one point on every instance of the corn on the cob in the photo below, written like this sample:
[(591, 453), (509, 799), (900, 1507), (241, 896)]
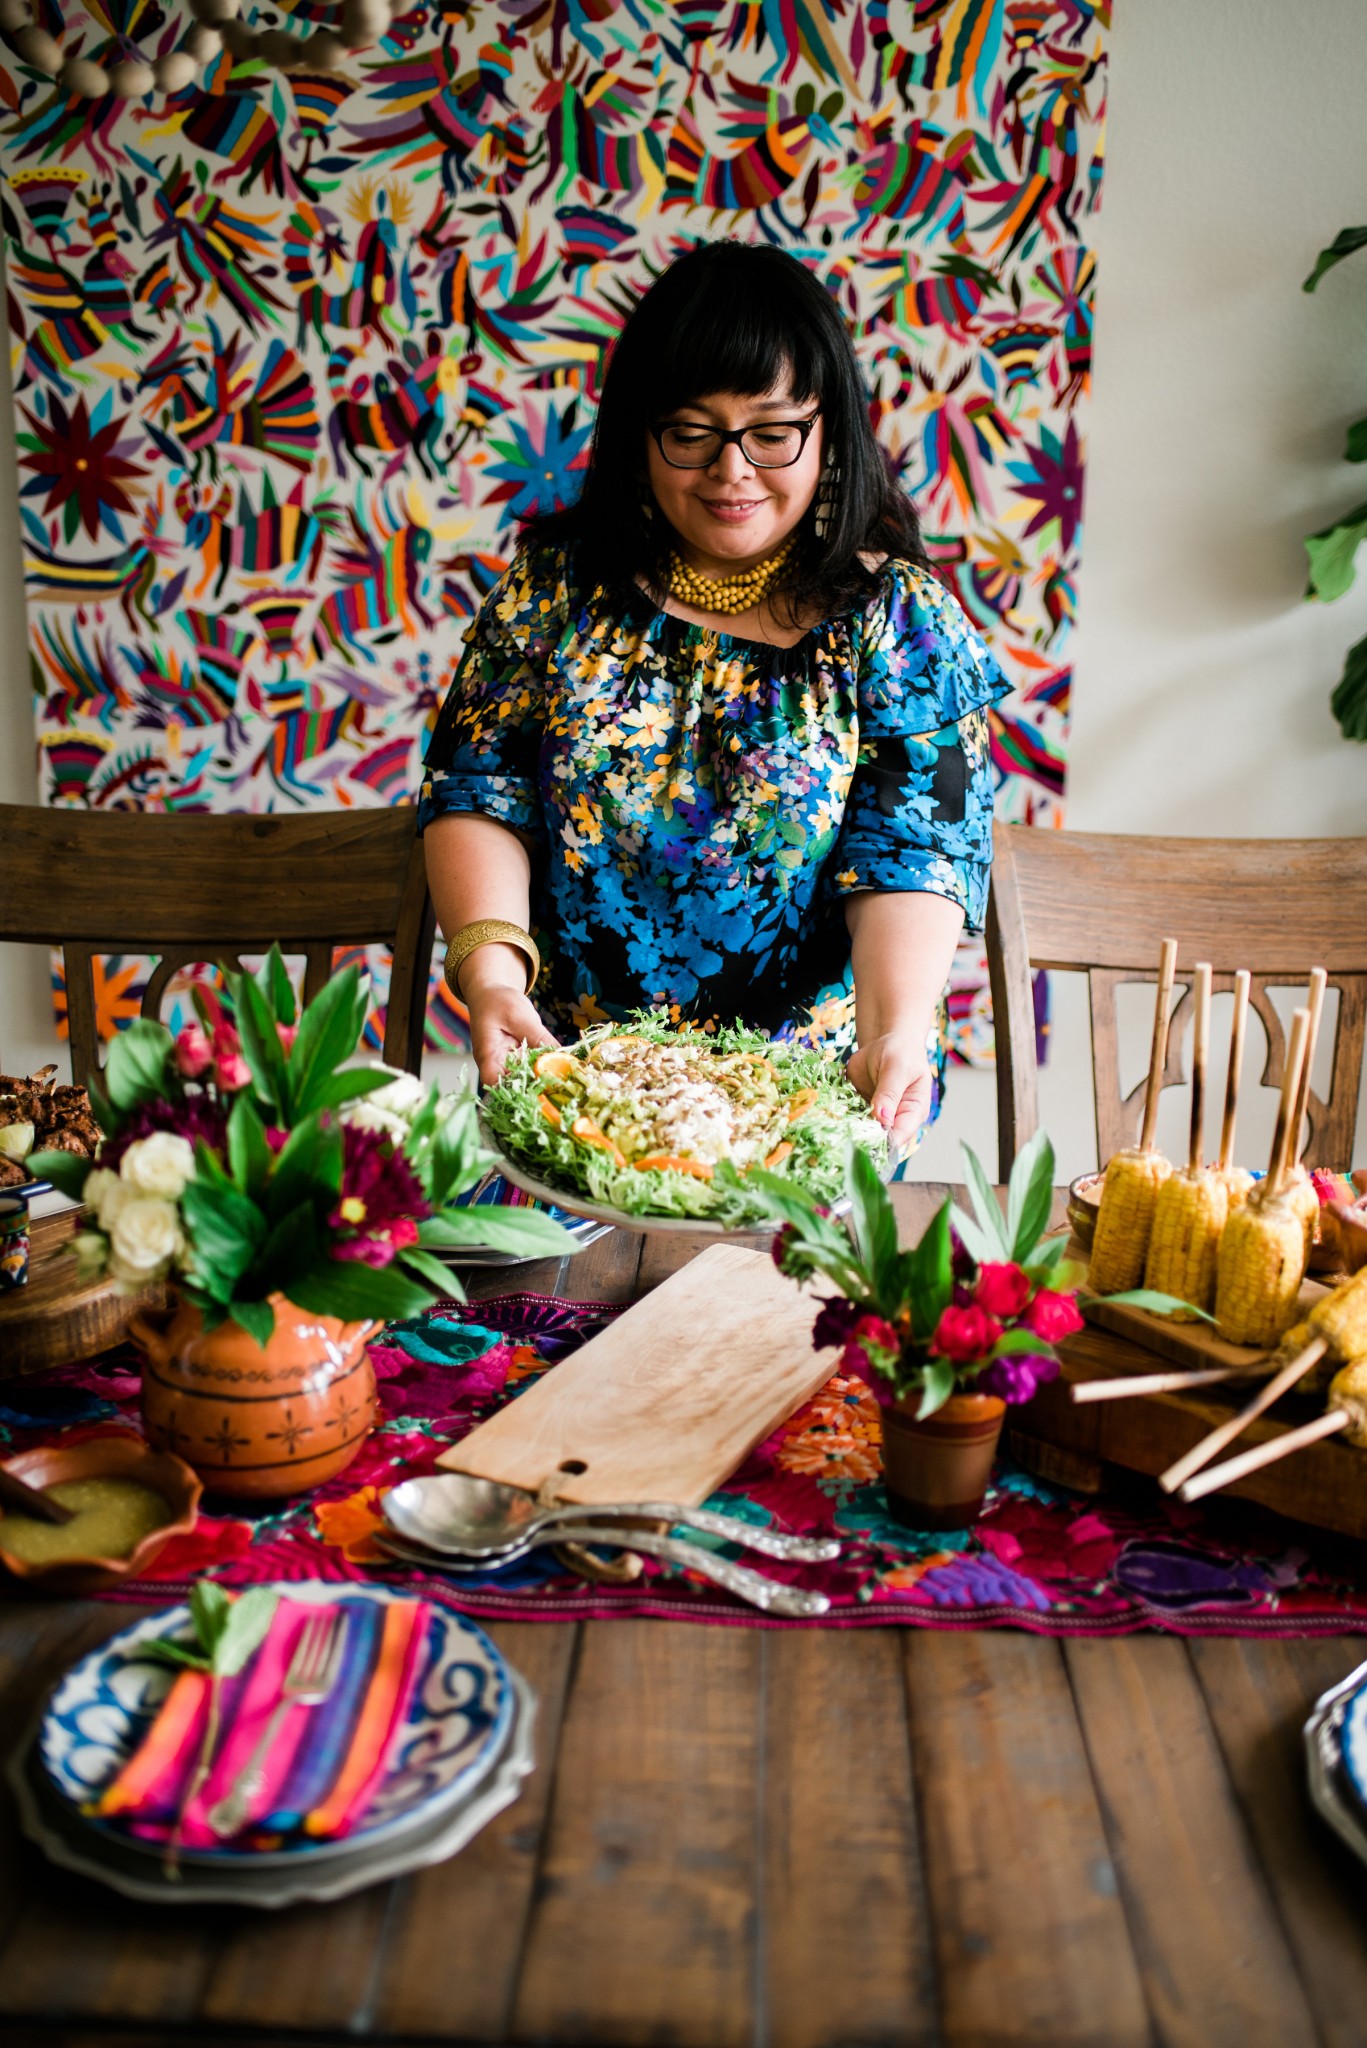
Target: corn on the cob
[(1238, 1183), (1299, 1191), (1125, 1219), (1188, 1217), (1348, 1391), (1260, 1269)]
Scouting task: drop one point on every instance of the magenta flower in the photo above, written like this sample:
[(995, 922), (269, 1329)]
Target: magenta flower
[(196, 1117), (965, 1334), (230, 1069), (194, 1054), (1015, 1379), (1001, 1290), (381, 1200), (1052, 1316)]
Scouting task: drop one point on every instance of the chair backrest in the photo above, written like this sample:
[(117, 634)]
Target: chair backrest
[(191, 888), (1102, 904)]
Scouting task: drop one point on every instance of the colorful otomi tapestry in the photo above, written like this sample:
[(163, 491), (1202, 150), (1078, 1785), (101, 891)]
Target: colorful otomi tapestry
[(293, 354)]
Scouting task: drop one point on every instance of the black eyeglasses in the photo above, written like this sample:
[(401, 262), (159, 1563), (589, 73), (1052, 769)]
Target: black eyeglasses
[(775, 444)]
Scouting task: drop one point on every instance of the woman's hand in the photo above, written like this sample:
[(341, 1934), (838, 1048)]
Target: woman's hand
[(501, 1019), (893, 1075)]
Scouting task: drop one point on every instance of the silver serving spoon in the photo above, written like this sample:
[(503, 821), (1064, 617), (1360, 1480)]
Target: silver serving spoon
[(480, 1518), (795, 1602)]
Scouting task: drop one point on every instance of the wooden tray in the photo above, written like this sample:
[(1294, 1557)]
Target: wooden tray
[(1083, 1446), (53, 1320), (669, 1400)]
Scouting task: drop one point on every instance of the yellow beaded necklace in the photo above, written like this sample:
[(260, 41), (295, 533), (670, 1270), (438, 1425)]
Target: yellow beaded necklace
[(725, 594)]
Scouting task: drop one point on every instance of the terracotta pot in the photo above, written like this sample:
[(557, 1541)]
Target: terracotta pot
[(257, 1424), (937, 1470)]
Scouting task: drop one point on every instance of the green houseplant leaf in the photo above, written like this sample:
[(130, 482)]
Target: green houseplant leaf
[(1028, 1215), (1345, 242), (1333, 555), (1349, 701), (329, 1032), (140, 1067), (66, 1172), (929, 1273)]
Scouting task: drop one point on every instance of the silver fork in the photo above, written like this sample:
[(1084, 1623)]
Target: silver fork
[(310, 1678)]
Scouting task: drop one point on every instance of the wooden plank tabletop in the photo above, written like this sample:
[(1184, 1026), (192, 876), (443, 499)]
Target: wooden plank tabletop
[(742, 1839)]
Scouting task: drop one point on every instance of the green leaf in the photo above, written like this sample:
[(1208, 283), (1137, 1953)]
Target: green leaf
[(507, 1230), (1355, 447), (330, 1091), (937, 1382), (874, 1224), (1033, 1174), (63, 1169), (353, 1291), (249, 1616), (140, 1066), (455, 1159), (1333, 555), (308, 1168), (166, 1651), (260, 1046), (1344, 243), (257, 1318), (294, 1245), (1349, 701), (209, 1606), (102, 1109), (985, 1208), (277, 979), (930, 1272), (1157, 1304), (329, 1031), (226, 1230), (249, 1156), (1047, 1256), (426, 1266), (1021, 1343)]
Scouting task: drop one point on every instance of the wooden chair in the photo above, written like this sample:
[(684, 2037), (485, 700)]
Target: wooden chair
[(193, 888), (1102, 904)]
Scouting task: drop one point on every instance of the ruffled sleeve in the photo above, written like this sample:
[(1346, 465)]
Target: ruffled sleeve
[(484, 751), (919, 812)]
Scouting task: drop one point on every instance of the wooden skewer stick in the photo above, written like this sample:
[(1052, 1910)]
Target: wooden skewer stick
[(1158, 1055), (1315, 1004), (1267, 1454), (1160, 1382), (1202, 1453), (1200, 1059), (1238, 1027), (1279, 1160)]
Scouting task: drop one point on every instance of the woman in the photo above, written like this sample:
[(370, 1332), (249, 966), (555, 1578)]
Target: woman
[(719, 732)]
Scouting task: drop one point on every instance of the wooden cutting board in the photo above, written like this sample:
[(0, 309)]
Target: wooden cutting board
[(666, 1403)]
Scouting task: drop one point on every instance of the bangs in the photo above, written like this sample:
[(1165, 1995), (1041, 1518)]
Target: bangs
[(739, 330)]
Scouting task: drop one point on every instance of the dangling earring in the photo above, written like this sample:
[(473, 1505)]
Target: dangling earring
[(827, 499), (647, 503)]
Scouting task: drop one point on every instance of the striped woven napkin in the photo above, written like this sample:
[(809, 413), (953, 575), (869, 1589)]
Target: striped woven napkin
[(324, 1763)]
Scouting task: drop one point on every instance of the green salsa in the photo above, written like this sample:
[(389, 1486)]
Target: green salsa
[(110, 1520)]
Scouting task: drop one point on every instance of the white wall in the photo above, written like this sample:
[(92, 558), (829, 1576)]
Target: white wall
[(1236, 149)]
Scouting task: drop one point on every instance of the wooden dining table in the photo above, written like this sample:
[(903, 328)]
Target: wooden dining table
[(814, 1838)]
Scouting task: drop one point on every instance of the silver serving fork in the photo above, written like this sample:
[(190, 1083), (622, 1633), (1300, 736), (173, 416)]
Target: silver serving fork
[(310, 1678)]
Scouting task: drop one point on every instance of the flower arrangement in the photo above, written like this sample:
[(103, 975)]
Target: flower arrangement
[(979, 1305), (244, 1158)]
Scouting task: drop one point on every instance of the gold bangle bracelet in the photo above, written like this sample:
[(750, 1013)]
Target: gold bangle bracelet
[(489, 931)]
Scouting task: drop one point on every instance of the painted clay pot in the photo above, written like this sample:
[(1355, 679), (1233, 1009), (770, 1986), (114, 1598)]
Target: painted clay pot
[(257, 1424), (937, 1471)]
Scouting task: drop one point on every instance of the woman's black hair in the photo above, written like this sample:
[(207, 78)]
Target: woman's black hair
[(736, 317)]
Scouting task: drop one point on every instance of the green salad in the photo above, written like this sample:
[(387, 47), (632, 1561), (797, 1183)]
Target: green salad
[(656, 1121)]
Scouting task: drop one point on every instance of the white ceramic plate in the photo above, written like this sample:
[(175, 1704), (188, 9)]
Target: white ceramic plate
[(456, 1724), (67, 1840)]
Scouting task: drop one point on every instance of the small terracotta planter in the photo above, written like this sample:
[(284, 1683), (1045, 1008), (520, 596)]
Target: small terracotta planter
[(257, 1424), (937, 1470)]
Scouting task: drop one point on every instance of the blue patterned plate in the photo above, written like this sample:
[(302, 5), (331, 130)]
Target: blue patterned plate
[(1353, 1744), (457, 1725)]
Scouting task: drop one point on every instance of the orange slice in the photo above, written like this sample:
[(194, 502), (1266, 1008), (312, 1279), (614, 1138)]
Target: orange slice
[(780, 1152), (588, 1133), (799, 1104), (550, 1112), (555, 1066)]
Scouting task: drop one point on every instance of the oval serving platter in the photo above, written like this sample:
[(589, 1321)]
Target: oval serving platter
[(457, 1725)]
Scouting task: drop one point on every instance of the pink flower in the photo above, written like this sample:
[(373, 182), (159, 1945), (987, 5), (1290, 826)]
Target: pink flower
[(873, 1330), (1052, 1316), (194, 1054), (379, 1191), (287, 1033), (856, 1364), (230, 1069), (1001, 1290), (965, 1334), (366, 1251)]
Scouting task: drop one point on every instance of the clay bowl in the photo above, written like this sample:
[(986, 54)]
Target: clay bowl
[(105, 1457), (1084, 1206)]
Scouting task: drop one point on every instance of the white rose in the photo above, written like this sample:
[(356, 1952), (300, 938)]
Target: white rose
[(144, 1240), (364, 1116), (106, 1194), (403, 1097), (159, 1165)]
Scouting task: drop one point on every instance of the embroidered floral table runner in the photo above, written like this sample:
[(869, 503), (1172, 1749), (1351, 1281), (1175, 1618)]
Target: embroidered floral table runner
[(1041, 1559)]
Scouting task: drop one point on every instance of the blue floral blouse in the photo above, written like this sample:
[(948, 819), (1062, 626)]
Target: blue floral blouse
[(700, 804)]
